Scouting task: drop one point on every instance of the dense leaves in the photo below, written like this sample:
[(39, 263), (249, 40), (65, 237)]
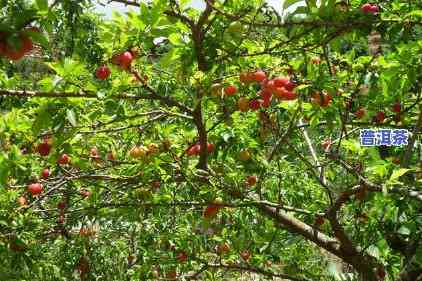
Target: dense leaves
[(181, 143)]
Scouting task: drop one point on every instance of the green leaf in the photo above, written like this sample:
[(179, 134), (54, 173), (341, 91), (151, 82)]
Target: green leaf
[(398, 173), (70, 114), (42, 5)]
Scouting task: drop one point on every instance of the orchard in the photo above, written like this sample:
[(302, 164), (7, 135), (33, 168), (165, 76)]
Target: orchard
[(215, 142)]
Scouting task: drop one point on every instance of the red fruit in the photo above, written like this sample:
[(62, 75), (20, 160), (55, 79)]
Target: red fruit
[(381, 273), (223, 248), (43, 149), (266, 97), (26, 42), (281, 81), (288, 95), (322, 99), (319, 221), (397, 107), (156, 184), (254, 104), (246, 255), (171, 275), (396, 161), (290, 86), (193, 150), (211, 211), (45, 173), (259, 76), (2, 48), (63, 159), (360, 113), (210, 147), (94, 153), (61, 219), (366, 8), (280, 92), (182, 257), (103, 72), (14, 54), (126, 58), (61, 205), (251, 180), (327, 144), (397, 118), (111, 156), (230, 90), (35, 188), (85, 193), (269, 85), (374, 9), (379, 117)]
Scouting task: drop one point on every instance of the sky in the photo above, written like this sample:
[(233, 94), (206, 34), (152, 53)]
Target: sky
[(199, 4)]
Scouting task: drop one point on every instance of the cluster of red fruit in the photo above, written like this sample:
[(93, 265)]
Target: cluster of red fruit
[(370, 8), (280, 87), (195, 149), (122, 60), (24, 45), (379, 117)]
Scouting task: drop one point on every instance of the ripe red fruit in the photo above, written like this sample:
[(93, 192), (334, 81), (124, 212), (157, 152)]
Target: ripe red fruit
[(254, 104), (397, 107), (103, 72), (288, 95), (45, 173), (61, 219), (182, 257), (230, 90), (246, 255), (193, 150), (63, 159), (360, 113), (321, 99), (125, 59), (26, 42), (319, 221), (85, 193), (111, 156), (14, 54), (381, 273), (374, 9), (366, 8), (156, 184), (259, 76), (379, 117), (43, 149), (171, 275), (61, 205), (281, 81), (327, 144), (290, 86), (35, 188), (210, 147), (94, 153), (251, 180), (211, 211), (223, 248)]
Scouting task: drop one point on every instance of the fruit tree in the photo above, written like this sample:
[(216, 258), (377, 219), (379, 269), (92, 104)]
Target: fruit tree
[(220, 142)]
